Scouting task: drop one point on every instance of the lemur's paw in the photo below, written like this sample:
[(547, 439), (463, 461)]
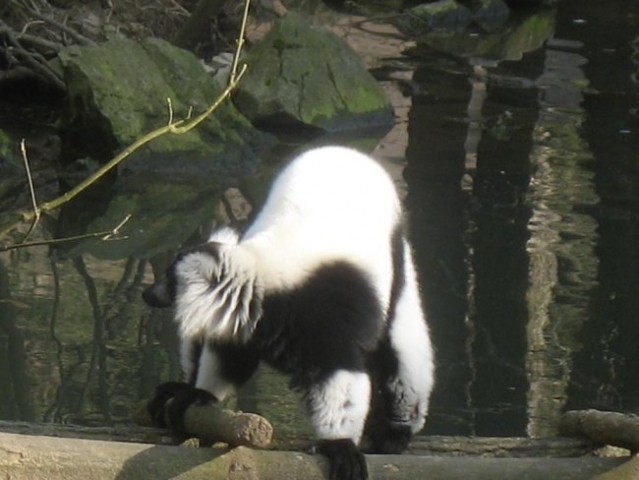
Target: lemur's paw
[(346, 461), (163, 393), (169, 404), (182, 400), (392, 439)]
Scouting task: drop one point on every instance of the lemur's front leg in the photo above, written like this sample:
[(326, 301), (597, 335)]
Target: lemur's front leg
[(338, 408), (213, 371)]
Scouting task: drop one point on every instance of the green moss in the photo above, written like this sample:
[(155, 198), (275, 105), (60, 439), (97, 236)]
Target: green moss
[(508, 43), (119, 91), (308, 74)]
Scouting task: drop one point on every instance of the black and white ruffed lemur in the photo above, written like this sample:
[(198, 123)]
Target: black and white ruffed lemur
[(321, 286)]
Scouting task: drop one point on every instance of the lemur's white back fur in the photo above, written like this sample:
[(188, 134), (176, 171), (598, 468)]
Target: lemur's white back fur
[(331, 203)]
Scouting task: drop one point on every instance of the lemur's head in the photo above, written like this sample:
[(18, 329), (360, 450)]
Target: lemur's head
[(162, 293)]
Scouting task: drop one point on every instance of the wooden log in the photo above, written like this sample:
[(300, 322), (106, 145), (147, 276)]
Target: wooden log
[(606, 428), (34, 458), (210, 424)]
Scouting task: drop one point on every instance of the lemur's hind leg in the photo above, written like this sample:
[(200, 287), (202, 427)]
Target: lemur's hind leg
[(403, 372), (385, 429)]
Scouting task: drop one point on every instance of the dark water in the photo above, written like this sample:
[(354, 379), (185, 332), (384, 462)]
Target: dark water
[(522, 176), (526, 225)]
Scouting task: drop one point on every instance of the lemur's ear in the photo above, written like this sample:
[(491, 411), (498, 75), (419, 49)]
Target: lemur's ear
[(159, 294)]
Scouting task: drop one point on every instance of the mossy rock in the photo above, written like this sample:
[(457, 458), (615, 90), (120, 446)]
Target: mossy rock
[(303, 75), (511, 42), (443, 15), (119, 91)]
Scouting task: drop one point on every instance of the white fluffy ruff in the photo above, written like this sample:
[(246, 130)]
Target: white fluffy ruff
[(216, 299), (226, 235)]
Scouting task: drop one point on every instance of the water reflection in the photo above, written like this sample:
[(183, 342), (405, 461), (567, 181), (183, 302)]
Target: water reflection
[(503, 190), (603, 368), (561, 247), (523, 192)]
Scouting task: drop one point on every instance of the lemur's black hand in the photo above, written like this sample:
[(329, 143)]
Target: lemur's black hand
[(182, 400), (346, 461), (163, 393), (170, 402)]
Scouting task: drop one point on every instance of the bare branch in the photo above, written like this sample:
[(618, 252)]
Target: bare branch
[(177, 129), (37, 63), (39, 42), (240, 44), (81, 39), (25, 159), (113, 234), (34, 201)]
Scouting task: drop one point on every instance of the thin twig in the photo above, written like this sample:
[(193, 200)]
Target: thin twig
[(25, 160), (27, 25), (40, 42), (81, 39), (38, 66), (240, 43), (177, 129), (34, 201), (170, 105), (180, 8), (113, 234)]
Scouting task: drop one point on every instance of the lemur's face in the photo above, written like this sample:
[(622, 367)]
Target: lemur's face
[(162, 293)]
